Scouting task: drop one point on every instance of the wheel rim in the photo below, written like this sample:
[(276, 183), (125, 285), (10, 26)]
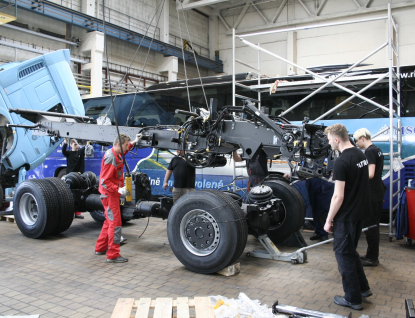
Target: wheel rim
[(29, 210), (199, 232)]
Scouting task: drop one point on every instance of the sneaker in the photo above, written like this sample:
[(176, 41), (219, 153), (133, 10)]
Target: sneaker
[(123, 240), (370, 262), (315, 237), (367, 293), (339, 300), (101, 253), (119, 259)]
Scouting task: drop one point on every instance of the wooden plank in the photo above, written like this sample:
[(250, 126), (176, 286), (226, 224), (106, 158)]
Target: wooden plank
[(203, 307), (123, 308), (143, 307), (164, 308), (182, 306)]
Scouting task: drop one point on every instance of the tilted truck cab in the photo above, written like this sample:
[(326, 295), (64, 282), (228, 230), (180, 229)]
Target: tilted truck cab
[(44, 83)]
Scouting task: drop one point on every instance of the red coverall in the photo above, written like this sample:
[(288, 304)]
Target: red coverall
[(110, 180)]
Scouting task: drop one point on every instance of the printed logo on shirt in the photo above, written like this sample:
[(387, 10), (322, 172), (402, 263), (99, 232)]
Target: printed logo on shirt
[(362, 163)]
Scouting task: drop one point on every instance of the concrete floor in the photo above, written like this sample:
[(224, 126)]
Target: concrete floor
[(62, 277)]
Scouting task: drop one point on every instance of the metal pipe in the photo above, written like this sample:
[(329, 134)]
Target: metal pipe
[(310, 72), (40, 34), (311, 27), (334, 79), (350, 98)]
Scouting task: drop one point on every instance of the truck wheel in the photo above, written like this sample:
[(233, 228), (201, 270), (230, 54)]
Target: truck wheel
[(66, 204), (61, 173), (292, 211), (35, 207), (98, 216), (207, 231)]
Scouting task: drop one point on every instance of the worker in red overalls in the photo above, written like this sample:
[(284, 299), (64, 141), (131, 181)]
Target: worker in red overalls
[(111, 187)]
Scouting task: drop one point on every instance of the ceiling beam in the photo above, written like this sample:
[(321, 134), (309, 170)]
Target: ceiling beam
[(193, 5)]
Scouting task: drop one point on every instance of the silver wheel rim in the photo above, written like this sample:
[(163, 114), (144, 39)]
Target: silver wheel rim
[(199, 232), (29, 210)]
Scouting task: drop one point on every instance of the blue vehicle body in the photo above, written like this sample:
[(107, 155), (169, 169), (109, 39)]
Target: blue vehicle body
[(44, 83)]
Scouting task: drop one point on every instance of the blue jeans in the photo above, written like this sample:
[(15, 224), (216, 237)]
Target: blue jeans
[(346, 237)]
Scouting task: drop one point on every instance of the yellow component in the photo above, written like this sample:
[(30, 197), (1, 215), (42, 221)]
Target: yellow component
[(305, 144), (129, 186), (5, 18), (295, 143), (219, 303), (207, 149)]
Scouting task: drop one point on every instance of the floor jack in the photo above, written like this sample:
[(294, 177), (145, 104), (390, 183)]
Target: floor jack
[(303, 313), (297, 257)]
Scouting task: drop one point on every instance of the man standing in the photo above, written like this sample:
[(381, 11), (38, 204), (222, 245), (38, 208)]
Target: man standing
[(111, 187), (347, 210), (75, 159), (374, 156), (257, 167), (319, 193), (184, 176)]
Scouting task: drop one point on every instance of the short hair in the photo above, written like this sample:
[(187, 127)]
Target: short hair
[(123, 138), (338, 130), (362, 132), (73, 141)]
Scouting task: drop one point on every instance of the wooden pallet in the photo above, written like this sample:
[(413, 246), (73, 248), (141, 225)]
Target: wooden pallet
[(183, 307), (7, 218)]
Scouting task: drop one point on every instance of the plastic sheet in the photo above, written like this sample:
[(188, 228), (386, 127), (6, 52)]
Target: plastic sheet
[(242, 307)]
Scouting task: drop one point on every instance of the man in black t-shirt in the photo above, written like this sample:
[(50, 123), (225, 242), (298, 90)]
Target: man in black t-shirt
[(348, 208), (374, 156), (75, 158), (257, 167), (184, 176)]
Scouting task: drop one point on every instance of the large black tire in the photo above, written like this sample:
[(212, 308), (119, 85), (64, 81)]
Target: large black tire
[(98, 216), (292, 212), (36, 209), (207, 231), (66, 205)]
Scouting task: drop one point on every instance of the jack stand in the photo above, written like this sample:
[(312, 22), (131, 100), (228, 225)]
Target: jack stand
[(284, 309), (272, 252)]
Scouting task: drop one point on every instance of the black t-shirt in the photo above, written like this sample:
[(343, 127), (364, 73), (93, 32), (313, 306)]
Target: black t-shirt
[(352, 167), (184, 174), (375, 156), (257, 168), (75, 160), (258, 164)]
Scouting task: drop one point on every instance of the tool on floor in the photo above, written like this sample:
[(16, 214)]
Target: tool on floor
[(297, 257), (285, 309)]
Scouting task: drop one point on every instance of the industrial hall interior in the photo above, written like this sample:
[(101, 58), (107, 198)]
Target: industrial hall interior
[(207, 158)]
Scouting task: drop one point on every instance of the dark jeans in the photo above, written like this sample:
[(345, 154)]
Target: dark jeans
[(372, 235), (346, 236), (320, 193)]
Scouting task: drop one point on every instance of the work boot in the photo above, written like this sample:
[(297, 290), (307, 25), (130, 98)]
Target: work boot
[(78, 215), (315, 237), (123, 240), (119, 259), (370, 262), (367, 293), (339, 300)]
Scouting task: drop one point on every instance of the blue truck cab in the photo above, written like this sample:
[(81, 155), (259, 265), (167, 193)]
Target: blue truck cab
[(44, 83)]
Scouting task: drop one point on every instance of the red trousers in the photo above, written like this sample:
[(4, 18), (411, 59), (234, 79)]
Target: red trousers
[(110, 236)]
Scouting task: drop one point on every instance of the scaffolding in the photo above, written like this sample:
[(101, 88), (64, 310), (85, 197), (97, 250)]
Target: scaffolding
[(393, 76)]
